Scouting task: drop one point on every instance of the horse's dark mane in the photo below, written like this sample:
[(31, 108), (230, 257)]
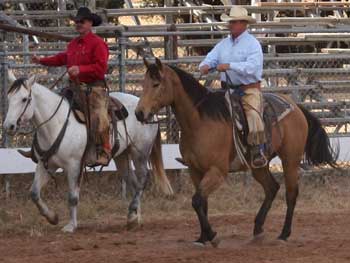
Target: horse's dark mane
[(16, 85), (209, 103)]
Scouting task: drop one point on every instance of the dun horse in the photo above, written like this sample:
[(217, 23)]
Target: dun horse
[(207, 145), (29, 100)]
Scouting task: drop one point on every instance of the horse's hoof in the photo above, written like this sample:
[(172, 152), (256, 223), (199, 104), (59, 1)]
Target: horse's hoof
[(131, 225), (53, 220), (133, 221), (282, 238), (259, 237), (69, 228), (215, 241), (198, 244)]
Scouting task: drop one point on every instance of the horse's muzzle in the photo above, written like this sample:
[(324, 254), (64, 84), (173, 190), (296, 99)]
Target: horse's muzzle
[(10, 129)]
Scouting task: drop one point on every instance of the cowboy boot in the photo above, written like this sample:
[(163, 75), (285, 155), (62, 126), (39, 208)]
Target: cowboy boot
[(257, 157), (104, 153)]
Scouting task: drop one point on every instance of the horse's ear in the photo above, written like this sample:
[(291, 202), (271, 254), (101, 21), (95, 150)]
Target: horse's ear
[(159, 64), (31, 81), (11, 77), (145, 62)]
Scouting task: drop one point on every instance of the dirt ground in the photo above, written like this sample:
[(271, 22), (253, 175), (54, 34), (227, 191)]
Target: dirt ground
[(320, 232)]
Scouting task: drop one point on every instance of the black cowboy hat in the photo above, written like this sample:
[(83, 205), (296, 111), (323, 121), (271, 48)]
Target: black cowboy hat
[(85, 13)]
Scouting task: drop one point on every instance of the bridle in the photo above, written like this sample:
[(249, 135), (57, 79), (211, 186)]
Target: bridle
[(29, 99)]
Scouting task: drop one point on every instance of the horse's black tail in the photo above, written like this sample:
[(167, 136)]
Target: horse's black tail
[(318, 149)]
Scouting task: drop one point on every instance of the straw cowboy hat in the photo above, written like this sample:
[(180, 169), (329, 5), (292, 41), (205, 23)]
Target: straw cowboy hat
[(85, 13), (237, 13)]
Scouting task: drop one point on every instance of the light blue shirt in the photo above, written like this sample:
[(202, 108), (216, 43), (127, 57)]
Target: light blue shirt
[(245, 56)]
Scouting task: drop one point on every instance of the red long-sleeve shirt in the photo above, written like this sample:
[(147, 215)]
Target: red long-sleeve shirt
[(90, 53)]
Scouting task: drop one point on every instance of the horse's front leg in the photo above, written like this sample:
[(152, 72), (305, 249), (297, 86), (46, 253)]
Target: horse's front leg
[(40, 179), (211, 181), (74, 176)]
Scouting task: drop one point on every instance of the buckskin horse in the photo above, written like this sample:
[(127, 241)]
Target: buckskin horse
[(50, 112), (207, 145)]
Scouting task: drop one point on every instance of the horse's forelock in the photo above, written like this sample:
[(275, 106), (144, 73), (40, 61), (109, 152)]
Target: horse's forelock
[(16, 85)]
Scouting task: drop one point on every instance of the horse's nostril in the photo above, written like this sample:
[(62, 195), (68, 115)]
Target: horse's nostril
[(12, 127)]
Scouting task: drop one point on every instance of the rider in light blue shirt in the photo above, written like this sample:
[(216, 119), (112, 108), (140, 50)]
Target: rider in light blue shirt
[(244, 56), (240, 56)]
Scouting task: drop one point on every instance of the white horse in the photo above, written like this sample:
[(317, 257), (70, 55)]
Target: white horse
[(29, 100)]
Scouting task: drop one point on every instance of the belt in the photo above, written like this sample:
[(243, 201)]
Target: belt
[(256, 85), (88, 86)]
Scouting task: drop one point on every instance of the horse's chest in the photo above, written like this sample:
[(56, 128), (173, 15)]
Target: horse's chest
[(194, 154)]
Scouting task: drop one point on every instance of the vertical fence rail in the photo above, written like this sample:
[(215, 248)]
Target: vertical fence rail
[(121, 41), (3, 95)]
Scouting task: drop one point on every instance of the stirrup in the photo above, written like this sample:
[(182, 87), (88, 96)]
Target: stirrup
[(264, 163)]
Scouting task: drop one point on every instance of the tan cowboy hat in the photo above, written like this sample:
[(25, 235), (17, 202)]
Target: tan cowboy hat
[(237, 13)]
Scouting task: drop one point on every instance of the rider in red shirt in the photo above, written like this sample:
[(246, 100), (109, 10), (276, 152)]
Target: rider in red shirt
[(86, 60)]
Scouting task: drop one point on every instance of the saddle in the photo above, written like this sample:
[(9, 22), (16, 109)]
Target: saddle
[(116, 111), (275, 109)]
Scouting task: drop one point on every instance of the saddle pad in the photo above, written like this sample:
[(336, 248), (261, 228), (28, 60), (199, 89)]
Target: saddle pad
[(276, 107)]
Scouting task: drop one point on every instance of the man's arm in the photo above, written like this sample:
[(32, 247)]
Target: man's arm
[(210, 61), (58, 60)]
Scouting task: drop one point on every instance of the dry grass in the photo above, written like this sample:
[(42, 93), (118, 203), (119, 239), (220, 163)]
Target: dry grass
[(101, 204)]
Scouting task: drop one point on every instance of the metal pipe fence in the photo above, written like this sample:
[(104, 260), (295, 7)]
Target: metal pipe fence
[(319, 81)]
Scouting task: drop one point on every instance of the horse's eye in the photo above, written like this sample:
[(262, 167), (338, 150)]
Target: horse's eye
[(156, 85), (24, 99)]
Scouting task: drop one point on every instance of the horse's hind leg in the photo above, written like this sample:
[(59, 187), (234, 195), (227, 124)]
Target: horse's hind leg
[(123, 164), (74, 176), (143, 174), (268, 182), (40, 180), (292, 191)]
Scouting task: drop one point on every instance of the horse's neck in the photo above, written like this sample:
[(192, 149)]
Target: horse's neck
[(46, 103), (185, 112)]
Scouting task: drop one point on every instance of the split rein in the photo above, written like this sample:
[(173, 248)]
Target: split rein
[(51, 117)]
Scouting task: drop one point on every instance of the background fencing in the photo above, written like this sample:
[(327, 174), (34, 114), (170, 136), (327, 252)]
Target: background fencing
[(306, 53)]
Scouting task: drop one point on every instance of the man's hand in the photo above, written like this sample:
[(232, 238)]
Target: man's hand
[(223, 67), (73, 71), (36, 59), (204, 69)]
